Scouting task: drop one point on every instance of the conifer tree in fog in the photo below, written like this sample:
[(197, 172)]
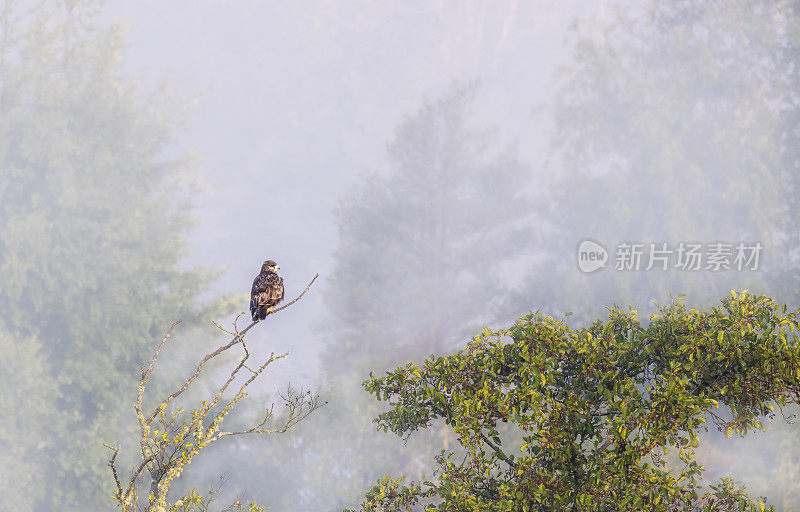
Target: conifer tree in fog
[(422, 245)]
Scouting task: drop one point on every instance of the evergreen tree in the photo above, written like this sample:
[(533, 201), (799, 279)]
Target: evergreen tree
[(93, 218), (422, 247)]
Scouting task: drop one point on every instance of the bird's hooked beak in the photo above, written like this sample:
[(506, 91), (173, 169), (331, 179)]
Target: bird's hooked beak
[(277, 267)]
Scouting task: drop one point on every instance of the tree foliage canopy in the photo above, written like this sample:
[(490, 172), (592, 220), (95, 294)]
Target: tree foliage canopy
[(559, 419)]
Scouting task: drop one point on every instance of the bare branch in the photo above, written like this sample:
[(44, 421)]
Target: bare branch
[(166, 455), (136, 474), (196, 373), (113, 466), (500, 453), (295, 300), (220, 415), (146, 374), (300, 405), (237, 337)]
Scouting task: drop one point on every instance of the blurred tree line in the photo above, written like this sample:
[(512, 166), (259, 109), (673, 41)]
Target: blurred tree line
[(93, 223), (678, 121)]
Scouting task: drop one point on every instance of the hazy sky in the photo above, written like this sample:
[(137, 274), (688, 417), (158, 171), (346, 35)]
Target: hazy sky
[(294, 101)]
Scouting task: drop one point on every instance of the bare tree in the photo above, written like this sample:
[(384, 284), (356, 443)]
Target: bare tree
[(171, 438)]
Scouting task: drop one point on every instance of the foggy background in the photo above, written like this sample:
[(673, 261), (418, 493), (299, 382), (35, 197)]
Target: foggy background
[(329, 137), (295, 102)]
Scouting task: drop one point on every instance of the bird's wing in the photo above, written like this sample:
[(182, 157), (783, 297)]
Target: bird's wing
[(259, 285), (267, 289)]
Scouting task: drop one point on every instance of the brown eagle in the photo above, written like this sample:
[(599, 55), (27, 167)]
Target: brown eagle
[(267, 291)]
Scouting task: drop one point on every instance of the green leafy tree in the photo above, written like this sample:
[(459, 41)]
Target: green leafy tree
[(93, 221), (595, 409)]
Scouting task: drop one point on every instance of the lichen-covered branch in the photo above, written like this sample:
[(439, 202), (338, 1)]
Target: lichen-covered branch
[(169, 445)]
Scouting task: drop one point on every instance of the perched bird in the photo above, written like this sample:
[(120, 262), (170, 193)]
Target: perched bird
[(267, 291)]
